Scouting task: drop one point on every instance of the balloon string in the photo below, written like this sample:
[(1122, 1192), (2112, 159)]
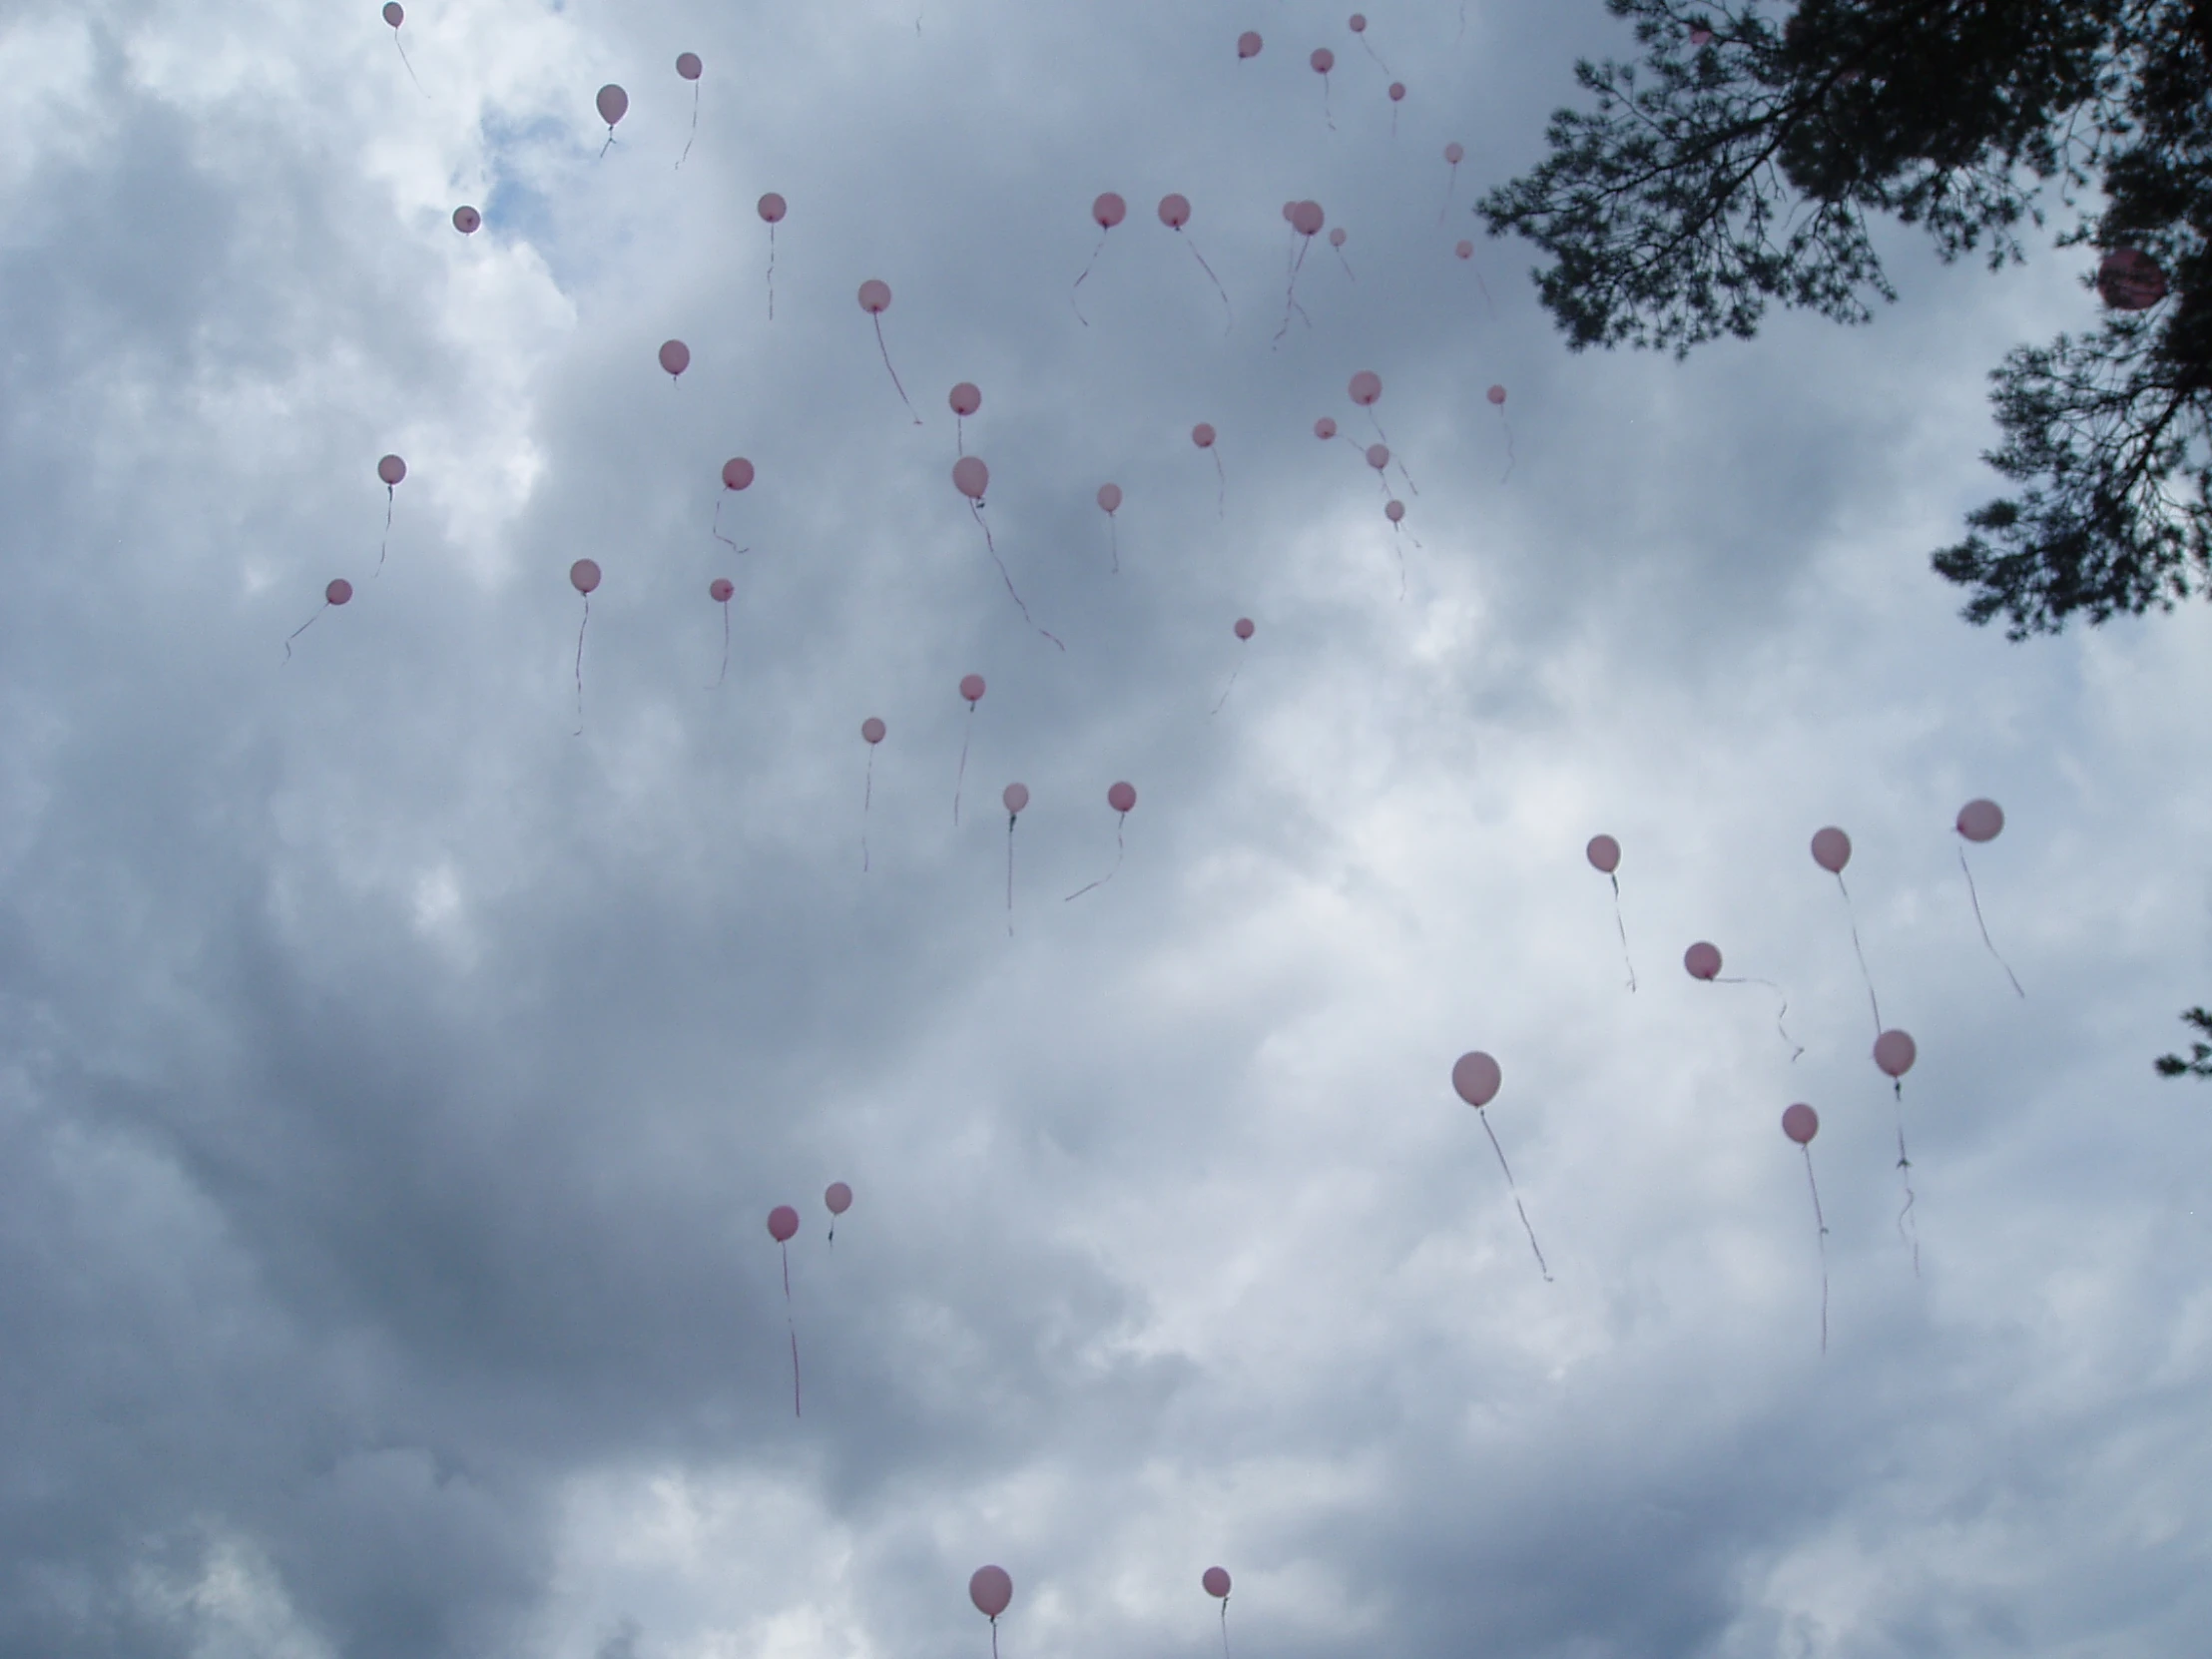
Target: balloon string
[(962, 773), (410, 67), (976, 507), (1108, 876), (1223, 292), (610, 143), (1290, 294), (1822, 1222), (301, 629), (793, 1325), (1223, 1627), (725, 674), (1509, 425), (386, 542), (1399, 550), (1221, 488), (1385, 68), (1010, 816), (717, 530), (1904, 1166), (1623, 926), (1486, 288), (1100, 249), (1872, 1000), (680, 160), (580, 627), (1340, 259), (1113, 542), (772, 274), (994, 1631), (1448, 190), (1984, 926), (1324, 115), (868, 794), (1225, 690), (887, 350), (1516, 1191), (1778, 990)]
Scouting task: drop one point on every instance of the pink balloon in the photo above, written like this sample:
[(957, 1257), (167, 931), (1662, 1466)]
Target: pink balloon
[(1323, 60), (719, 590), (1244, 627), (1702, 959), (1398, 93), (675, 356), (1337, 237), (737, 473), (1801, 1123), (1366, 388), (1832, 850), (2128, 279), (1699, 37), (1495, 394), (689, 66), (338, 592), (1605, 853), (1215, 1582), (1325, 428), (1109, 497), (1476, 1077), (1175, 212), (393, 14), (971, 476), (1290, 211), (1454, 155), (1980, 820), (838, 1197), (614, 103), (1394, 511), (1466, 250), (466, 220), (773, 210), (392, 470), (1359, 24), (1379, 456), (1109, 209), (1307, 218), (872, 731), (1203, 435), (876, 297), (1122, 798), (971, 687), (782, 1222), (583, 575), (991, 1591), (1895, 1053), (965, 398), (1016, 797), (1248, 44)]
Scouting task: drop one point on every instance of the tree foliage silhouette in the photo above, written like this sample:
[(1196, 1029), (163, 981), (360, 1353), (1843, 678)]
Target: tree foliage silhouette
[(2199, 1063), (1741, 171)]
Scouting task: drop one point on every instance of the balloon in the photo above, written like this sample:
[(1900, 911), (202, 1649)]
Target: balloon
[(1832, 850), (1323, 60), (1215, 1581), (876, 297), (1244, 627), (687, 65), (1325, 428), (2128, 279), (1980, 820), (1895, 1053), (782, 1222), (466, 220), (871, 734), (675, 358), (1307, 218), (338, 592), (971, 687), (1378, 456), (1366, 388), (1466, 250), (1122, 798), (1359, 24), (971, 476), (1476, 1077), (1454, 155), (1337, 237), (1702, 959), (1397, 92), (991, 1591), (772, 209), (613, 104), (965, 399), (1175, 212), (1700, 36), (1203, 435), (1109, 497), (1496, 394), (584, 575), (838, 1197), (1394, 511), (1109, 209), (1243, 630), (1604, 854), (1801, 1123), (393, 14), (872, 731), (1016, 797), (737, 473), (1290, 211), (1248, 44), (783, 1225), (392, 470), (721, 589)]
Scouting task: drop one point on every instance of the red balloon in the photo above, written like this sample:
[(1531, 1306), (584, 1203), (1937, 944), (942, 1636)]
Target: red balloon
[(719, 590), (971, 476), (773, 210), (1122, 798), (1699, 37), (689, 66), (1109, 209), (1496, 394), (1980, 820), (614, 103), (1476, 1077), (838, 1197), (583, 575), (1702, 959), (1895, 1053), (991, 1591), (1248, 43), (1454, 155), (1605, 853), (1215, 1582), (392, 470), (338, 592), (1359, 24), (1307, 218), (1394, 511), (1109, 497), (1379, 456), (1244, 627), (1175, 212), (971, 687), (1203, 435), (466, 220), (393, 14), (1325, 428), (871, 729), (2128, 279), (876, 297), (1801, 1123), (737, 473), (1398, 93), (965, 398), (1017, 798), (1466, 250), (782, 1222), (675, 358), (1832, 850), (1323, 60), (1366, 388)]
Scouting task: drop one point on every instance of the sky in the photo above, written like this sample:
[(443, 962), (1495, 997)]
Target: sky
[(405, 1044)]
